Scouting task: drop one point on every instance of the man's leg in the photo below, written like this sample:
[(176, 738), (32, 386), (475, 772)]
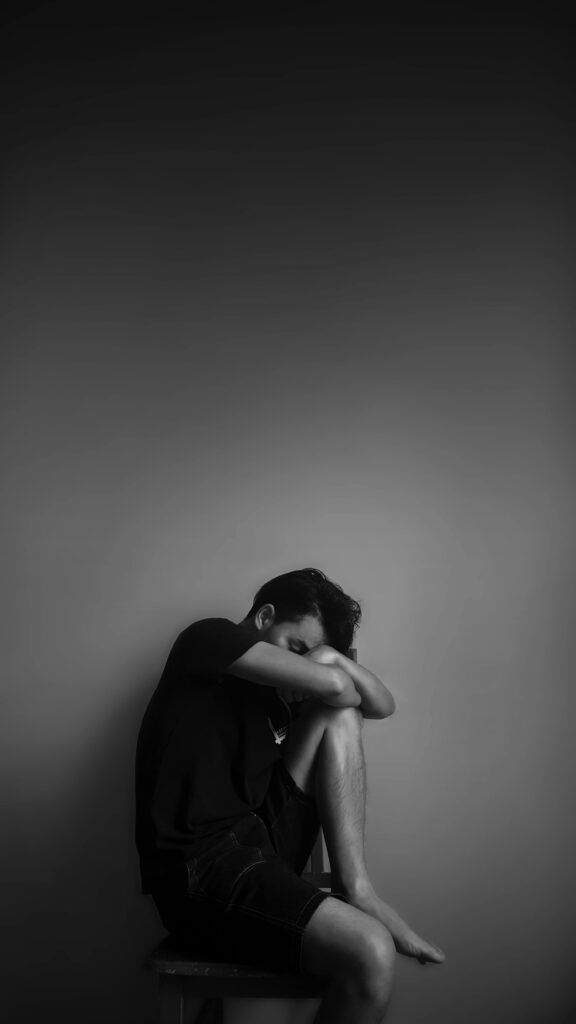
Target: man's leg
[(357, 953), (324, 755)]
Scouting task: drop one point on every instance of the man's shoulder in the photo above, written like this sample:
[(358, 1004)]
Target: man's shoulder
[(209, 625), (212, 634)]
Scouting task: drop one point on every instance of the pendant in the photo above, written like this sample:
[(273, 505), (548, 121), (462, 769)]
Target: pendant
[(280, 734)]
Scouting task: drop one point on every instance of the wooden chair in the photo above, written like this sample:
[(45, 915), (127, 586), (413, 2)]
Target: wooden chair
[(194, 989)]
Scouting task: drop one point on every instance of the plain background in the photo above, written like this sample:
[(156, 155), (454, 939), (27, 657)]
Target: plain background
[(280, 294)]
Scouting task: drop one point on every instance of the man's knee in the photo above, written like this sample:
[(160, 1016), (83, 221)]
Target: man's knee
[(375, 966), (345, 718), (343, 942)]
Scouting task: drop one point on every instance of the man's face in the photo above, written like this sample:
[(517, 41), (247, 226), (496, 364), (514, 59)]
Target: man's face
[(300, 636)]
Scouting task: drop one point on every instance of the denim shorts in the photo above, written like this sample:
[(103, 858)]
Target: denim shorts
[(240, 897)]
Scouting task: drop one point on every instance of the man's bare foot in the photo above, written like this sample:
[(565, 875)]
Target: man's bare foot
[(405, 939)]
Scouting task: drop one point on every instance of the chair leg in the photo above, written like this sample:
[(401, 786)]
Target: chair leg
[(211, 1012), (171, 999), (178, 1008), (247, 1010)]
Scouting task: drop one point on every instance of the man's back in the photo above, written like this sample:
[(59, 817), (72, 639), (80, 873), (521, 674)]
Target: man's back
[(206, 747)]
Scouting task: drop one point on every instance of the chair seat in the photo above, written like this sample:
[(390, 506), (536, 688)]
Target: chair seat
[(208, 977)]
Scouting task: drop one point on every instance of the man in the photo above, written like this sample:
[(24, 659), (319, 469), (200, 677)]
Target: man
[(252, 740)]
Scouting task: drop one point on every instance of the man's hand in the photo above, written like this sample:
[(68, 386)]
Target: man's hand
[(349, 695), (291, 695), (376, 700), (323, 654)]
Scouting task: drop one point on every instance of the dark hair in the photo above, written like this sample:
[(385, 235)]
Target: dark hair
[(309, 592)]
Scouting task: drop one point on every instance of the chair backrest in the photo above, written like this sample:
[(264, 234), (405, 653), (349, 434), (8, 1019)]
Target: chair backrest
[(316, 872)]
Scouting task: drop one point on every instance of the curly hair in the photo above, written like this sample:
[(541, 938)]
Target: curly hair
[(310, 592)]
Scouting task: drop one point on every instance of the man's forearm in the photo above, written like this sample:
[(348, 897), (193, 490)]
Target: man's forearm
[(368, 693), (376, 699)]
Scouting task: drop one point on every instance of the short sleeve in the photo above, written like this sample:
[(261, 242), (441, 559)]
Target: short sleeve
[(209, 646)]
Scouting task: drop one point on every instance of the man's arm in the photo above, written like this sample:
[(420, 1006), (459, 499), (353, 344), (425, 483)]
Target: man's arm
[(376, 699), (275, 666)]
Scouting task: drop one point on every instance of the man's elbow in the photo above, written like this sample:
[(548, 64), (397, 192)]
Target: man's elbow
[(390, 707), (339, 680), (383, 708)]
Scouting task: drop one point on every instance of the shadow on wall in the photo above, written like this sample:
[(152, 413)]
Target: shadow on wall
[(78, 926)]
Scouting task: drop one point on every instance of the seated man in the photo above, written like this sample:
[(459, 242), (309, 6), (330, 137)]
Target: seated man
[(251, 741)]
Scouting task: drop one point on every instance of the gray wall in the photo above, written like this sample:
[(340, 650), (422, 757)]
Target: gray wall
[(309, 311)]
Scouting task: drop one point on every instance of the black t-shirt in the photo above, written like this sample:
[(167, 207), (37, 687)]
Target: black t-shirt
[(206, 747)]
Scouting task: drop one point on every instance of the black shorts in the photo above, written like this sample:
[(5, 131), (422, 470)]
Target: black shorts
[(242, 898)]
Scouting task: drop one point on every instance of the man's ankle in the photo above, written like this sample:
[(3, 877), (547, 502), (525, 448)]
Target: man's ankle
[(360, 889)]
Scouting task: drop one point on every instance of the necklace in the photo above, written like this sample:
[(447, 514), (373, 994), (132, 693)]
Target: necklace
[(280, 734)]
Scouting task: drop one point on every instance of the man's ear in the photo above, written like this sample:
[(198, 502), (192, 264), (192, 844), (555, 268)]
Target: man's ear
[(265, 616)]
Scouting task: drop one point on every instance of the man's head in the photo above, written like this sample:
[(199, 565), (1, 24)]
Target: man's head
[(302, 609)]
